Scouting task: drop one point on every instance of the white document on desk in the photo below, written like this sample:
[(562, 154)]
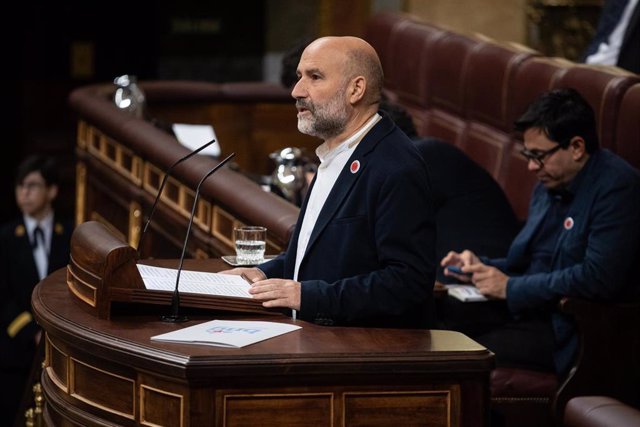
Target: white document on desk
[(196, 282), (193, 136), (227, 333), (465, 293)]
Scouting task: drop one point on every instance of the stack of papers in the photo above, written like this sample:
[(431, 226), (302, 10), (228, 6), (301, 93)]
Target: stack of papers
[(465, 293), (195, 282), (227, 333)]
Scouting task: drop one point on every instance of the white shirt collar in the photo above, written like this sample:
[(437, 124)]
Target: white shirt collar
[(326, 156), (46, 224)]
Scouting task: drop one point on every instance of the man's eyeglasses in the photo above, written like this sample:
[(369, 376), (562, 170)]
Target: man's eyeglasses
[(537, 156)]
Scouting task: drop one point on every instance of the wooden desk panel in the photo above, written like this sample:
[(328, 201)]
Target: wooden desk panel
[(108, 372), (252, 130), (122, 159)]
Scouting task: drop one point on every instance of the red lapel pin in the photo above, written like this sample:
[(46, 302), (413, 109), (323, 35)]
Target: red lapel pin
[(568, 223), (355, 166)]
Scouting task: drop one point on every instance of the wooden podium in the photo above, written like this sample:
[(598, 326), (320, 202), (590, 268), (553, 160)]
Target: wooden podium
[(103, 270), (101, 368)]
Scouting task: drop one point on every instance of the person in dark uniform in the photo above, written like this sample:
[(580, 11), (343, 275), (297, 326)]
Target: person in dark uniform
[(31, 247)]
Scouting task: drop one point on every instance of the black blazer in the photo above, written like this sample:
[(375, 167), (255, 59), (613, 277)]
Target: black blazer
[(629, 56), (472, 211), (18, 277), (609, 18), (370, 259)]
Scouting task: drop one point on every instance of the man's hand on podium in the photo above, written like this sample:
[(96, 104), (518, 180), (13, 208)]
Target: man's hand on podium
[(272, 292), (250, 274), (277, 293)]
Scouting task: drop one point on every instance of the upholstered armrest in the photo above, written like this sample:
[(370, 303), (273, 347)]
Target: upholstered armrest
[(608, 359), (508, 383), (600, 411), (439, 290)]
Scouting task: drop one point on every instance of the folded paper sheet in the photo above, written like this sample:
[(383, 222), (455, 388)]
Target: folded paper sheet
[(227, 333)]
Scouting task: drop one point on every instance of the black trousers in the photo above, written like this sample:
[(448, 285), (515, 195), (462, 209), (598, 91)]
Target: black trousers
[(526, 342), (13, 385)]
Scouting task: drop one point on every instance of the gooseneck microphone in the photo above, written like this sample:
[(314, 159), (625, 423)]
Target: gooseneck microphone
[(167, 173), (175, 299)]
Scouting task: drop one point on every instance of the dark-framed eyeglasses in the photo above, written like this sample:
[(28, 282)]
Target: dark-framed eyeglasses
[(537, 156)]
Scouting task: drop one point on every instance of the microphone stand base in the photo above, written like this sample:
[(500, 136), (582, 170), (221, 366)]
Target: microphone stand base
[(174, 318)]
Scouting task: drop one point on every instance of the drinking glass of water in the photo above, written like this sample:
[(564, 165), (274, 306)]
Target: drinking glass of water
[(250, 244)]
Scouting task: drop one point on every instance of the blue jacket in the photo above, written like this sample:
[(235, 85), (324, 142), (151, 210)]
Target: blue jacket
[(595, 255), (370, 260)]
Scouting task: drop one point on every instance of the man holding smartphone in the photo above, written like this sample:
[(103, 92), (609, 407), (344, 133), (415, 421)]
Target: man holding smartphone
[(581, 238)]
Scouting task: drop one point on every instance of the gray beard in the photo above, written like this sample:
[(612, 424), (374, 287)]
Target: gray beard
[(323, 128), (324, 122)]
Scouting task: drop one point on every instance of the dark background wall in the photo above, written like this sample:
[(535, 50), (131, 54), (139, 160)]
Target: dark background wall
[(50, 48)]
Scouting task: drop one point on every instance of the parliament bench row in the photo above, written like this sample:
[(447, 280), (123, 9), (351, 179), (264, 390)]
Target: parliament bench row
[(468, 90), (464, 89)]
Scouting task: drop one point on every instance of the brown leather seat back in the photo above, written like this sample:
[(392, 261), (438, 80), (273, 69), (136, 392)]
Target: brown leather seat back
[(487, 88), (448, 69), (628, 126), (603, 88), (532, 78), (411, 67), (379, 33), (489, 84)]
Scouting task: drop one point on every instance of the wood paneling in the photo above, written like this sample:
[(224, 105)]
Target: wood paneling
[(318, 376)]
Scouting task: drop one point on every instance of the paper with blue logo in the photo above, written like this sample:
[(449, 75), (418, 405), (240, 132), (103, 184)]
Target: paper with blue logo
[(227, 333)]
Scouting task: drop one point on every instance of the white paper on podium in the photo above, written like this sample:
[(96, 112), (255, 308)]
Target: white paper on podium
[(227, 333), (465, 293), (193, 136), (196, 282)]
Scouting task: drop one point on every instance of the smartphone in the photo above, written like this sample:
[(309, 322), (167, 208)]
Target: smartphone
[(457, 270)]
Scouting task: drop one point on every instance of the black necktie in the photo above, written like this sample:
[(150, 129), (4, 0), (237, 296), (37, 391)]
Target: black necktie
[(38, 237)]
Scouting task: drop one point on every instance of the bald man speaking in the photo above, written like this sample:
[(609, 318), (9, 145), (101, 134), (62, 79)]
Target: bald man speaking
[(363, 250)]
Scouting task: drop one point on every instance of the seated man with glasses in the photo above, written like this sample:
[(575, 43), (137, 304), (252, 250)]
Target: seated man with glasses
[(31, 247), (581, 239)]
